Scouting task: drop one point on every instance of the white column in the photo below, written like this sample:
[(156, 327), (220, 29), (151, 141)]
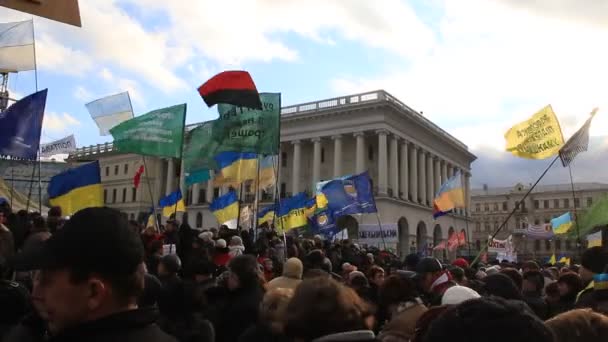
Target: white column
[(414, 173), (316, 161), (437, 175), (170, 176), (394, 166), (360, 154), (430, 182), (295, 173), (182, 179), (158, 176), (444, 171), (467, 191), (382, 161), (403, 171), (450, 171), (337, 155), (195, 191), (209, 192), (422, 176)]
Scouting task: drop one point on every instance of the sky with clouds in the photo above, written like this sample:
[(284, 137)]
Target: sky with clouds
[(475, 67)]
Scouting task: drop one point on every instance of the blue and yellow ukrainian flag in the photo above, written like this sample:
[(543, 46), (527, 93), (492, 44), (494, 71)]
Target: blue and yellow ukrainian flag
[(564, 260), (77, 188), (236, 167), (267, 177), (562, 224), (292, 213), (226, 209), (266, 215), (449, 197), (311, 207), (172, 203)]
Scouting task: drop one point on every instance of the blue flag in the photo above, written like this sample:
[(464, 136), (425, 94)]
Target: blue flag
[(323, 222), (352, 195), (20, 126)]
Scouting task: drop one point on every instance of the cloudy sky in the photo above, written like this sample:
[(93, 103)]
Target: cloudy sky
[(475, 67)]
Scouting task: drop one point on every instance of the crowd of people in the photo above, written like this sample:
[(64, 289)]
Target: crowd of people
[(100, 277)]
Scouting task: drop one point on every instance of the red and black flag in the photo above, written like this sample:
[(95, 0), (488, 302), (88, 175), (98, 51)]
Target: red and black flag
[(137, 177), (232, 87)]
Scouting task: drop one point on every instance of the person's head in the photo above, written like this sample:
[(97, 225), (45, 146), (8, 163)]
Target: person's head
[(337, 309), (293, 268), (411, 261), (530, 266), (533, 282), (55, 212), (552, 294), (461, 262), (458, 274), (236, 241), (458, 294), (169, 265), (396, 289), (569, 284), (500, 285), (428, 268), (220, 244), (203, 270), (514, 275), (478, 319), (593, 262), (357, 280), (274, 308), (90, 269), (171, 226), (579, 325), (134, 225), (243, 272), (376, 275), (4, 212)]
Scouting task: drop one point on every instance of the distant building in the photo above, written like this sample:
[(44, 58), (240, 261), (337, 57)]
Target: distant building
[(408, 158), (491, 206)]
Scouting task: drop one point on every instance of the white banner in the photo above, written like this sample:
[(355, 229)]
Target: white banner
[(500, 246), (372, 235), (65, 145)]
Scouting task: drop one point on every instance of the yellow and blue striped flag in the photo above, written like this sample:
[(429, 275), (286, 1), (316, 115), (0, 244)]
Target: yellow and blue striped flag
[(172, 203), (77, 188), (236, 167), (562, 224), (226, 209), (292, 213), (266, 215)]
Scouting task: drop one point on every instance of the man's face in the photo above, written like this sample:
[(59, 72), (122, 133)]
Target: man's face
[(426, 280), (60, 301), (585, 274), (378, 278)]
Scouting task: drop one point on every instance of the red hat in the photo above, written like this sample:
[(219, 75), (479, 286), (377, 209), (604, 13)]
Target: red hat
[(461, 262)]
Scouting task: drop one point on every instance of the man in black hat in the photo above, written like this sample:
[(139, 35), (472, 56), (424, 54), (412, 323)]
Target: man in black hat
[(91, 274), (433, 280), (593, 261)]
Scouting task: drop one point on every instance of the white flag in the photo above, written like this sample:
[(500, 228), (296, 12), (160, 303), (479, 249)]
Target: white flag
[(17, 46), (110, 111), (65, 145)]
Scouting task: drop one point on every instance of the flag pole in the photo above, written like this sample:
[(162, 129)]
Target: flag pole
[(39, 152), (12, 183), (151, 193), (29, 194), (381, 232), (518, 204), (257, 199), (277, 170), (238, 218), (181, 159), (578, 235)]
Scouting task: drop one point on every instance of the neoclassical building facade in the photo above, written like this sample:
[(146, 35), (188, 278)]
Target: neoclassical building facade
[(407, 156)]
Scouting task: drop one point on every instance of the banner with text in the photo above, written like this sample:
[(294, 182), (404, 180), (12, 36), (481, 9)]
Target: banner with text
[(65, 145), (372, 235), (500, 246), (539, 137)]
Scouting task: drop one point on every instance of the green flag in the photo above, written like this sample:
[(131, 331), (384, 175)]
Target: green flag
[(249, 130), (157, 133), (200, 148), (595, 216)]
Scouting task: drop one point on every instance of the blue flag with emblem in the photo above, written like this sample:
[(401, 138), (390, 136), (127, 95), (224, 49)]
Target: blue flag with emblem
[(21, 125), (352, 195), (323, 222)]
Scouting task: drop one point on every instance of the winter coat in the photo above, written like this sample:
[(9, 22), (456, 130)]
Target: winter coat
[(403, 323), (239, 311), (262, 332), (35, 239), (7, 243), (537, 304), (128, 326), (349, 336), (291, 278), (221, 257)]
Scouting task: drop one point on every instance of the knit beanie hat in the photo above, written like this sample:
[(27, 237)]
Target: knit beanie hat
[(595, 259), (458, 294)]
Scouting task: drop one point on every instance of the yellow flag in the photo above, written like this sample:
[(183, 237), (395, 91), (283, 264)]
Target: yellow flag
[(552, 261), (539, 137)]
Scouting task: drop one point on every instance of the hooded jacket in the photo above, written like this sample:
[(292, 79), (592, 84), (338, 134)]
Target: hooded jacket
[(292, 275)]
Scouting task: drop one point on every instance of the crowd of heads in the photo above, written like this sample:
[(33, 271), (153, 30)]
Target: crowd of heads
[(59, 277)]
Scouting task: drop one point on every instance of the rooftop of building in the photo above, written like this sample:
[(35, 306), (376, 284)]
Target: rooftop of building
[(347, 102), (521, 188)]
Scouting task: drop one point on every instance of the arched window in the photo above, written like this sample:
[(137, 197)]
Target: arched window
[(199, 220)]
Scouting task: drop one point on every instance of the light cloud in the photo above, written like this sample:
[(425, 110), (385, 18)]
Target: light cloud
[(56, 57), (55, 123), (82, 94), (119, 84)]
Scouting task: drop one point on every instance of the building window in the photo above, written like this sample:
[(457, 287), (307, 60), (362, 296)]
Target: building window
[(556, 203), (486, 207), (505, 206), (133, 194), (495, 206), (523, 206), (547, 245), (558, 245), (199, 220), (568, 244), (536, 204), (105, 196), (322, 155), (126, 168), (283, 159), (566, 203), (478, 227), (589, 201), (478, 244), (124, 195), (477, 207), (577, 202), (546, 204), (370, 152), (113, 195), (115, 170), (132, 216), (201, 196), (517, 223), (537, 245), (487, 227), (107, 171)]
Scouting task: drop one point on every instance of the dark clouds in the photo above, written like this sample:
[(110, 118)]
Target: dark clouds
[(503, 169)]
